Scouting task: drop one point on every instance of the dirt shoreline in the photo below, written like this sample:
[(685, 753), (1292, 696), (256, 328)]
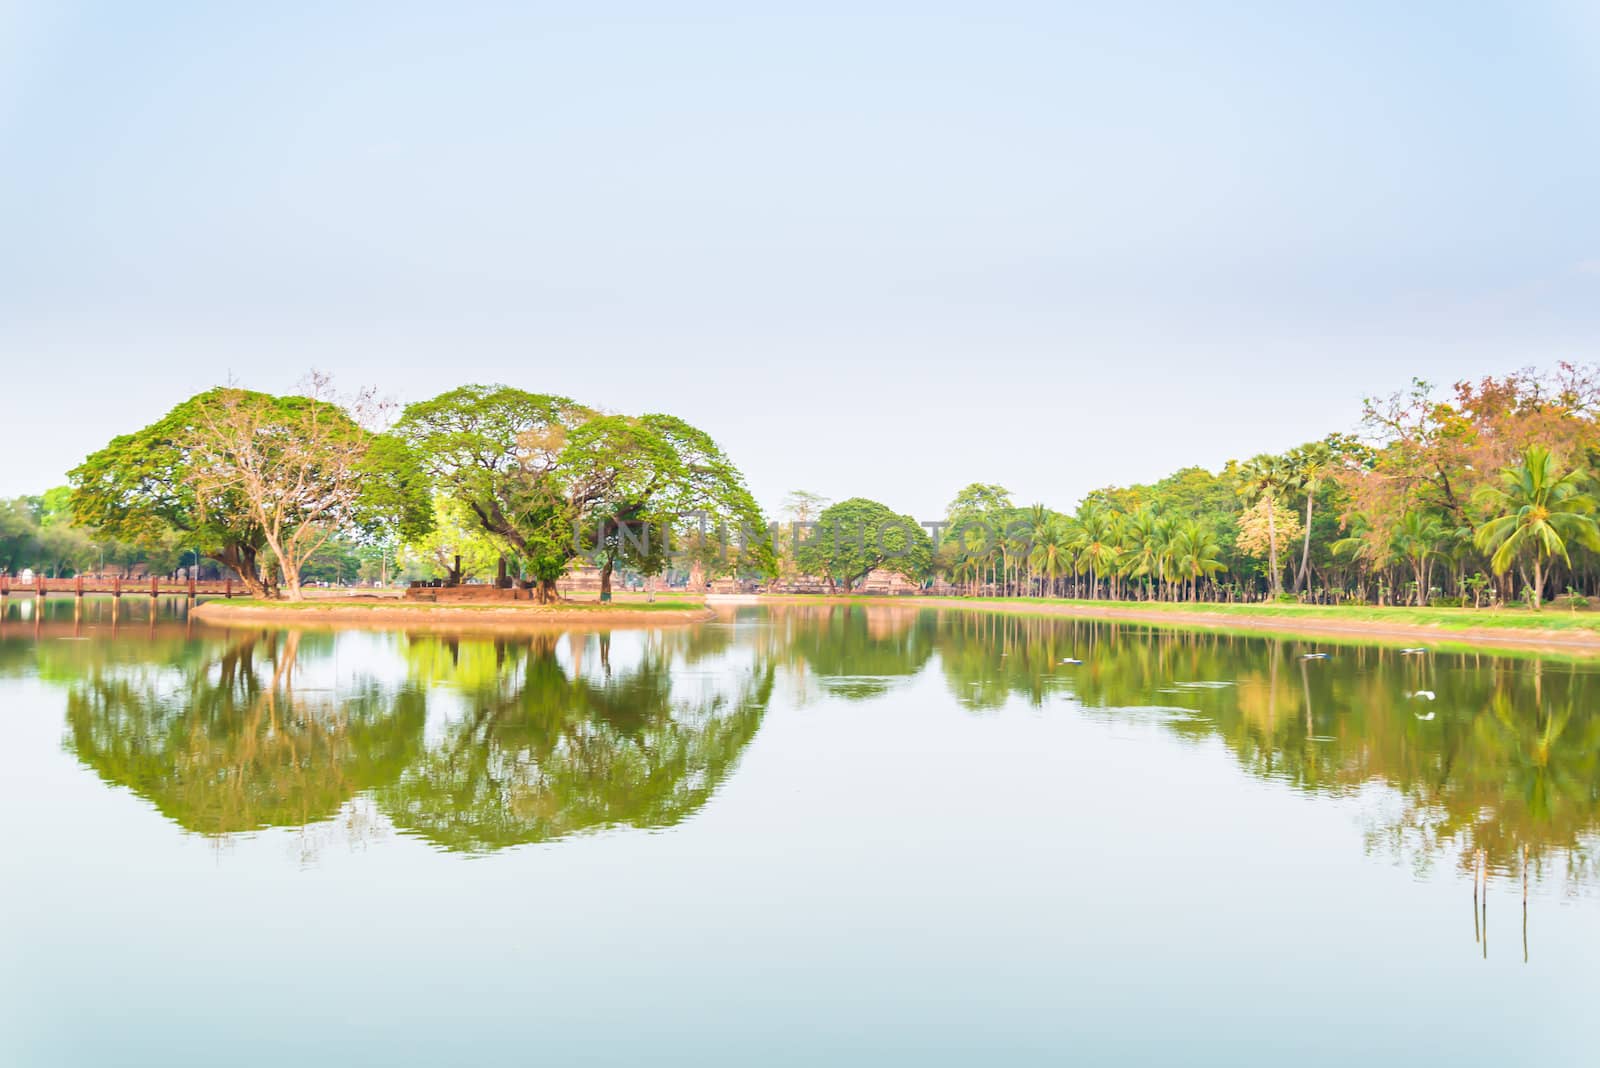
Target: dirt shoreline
[(387, 614)]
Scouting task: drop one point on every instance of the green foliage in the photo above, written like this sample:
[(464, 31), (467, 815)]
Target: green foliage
[(494, 450), (548, 479), (979, 500), (138, 490), (1538, 512), (454, 535), (1497, 478), (337, 562), (858, 536), (241, 475)]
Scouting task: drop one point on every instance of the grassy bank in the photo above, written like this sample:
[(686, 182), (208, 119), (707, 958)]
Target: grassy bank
[(1550, 619), (1555, 631)]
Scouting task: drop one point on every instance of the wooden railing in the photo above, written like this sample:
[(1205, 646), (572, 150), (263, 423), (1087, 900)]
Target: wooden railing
[(39, 586)]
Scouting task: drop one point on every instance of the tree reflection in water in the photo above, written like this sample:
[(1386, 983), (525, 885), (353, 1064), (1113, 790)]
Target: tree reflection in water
[(226, 744), (477, 743), (1505, 754), (547, 746)]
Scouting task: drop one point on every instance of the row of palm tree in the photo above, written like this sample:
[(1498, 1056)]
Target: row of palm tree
[(1529, 519), (1045, 553)]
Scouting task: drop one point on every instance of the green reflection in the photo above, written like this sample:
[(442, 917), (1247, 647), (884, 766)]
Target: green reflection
[(478, 743), (224, 743), (853, 651), (544, 748), (1504, 753)]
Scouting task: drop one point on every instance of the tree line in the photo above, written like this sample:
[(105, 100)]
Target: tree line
[(1483, 495)]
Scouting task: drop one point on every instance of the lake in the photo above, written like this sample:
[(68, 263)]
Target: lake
[(798, 835)]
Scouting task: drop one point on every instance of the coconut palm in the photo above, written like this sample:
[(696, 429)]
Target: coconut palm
[(1166, 536), (1050, 556), (1138, 556), (1418, 537), (1537, 512), (1095, 544), (1196, 554)]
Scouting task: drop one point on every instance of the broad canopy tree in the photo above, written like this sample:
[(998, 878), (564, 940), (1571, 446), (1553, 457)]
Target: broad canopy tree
[(552, 480), (257, 482), (137, 489), (858, 536)]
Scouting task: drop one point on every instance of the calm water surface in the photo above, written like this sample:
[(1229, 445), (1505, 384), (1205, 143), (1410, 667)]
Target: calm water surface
[(846, 835)]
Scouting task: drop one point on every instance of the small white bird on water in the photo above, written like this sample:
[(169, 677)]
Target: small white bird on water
[(1070, 660), (1412, 652), (1425, 694), (1424, 716), (1314, 656)]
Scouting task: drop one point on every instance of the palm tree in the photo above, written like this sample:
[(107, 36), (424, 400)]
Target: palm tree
[(1095, 544), (1026, 528), (973, 550), (1419, 537), (1051, 554), (1538, 512), (1166, 534), (1016, 542), (1266, 476), (1196, 554), (1142, 549)]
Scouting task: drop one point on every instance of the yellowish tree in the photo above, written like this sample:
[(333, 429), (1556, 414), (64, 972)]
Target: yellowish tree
[(1261, 527)]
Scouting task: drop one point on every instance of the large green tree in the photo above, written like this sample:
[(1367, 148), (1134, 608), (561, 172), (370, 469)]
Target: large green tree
[(552, 480), (494, 449), (244, 476), (858, 536), (648, 483), (138, 490)]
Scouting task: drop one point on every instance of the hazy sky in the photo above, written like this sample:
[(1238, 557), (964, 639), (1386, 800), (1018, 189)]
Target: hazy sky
[(873, 249)]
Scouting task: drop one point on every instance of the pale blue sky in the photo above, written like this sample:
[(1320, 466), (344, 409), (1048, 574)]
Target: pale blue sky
[(874, 249)]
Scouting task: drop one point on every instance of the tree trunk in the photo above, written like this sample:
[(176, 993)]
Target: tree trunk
[(1305, 549), (1276, 584), (1538, 582), (605, 580), (241, 560)]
